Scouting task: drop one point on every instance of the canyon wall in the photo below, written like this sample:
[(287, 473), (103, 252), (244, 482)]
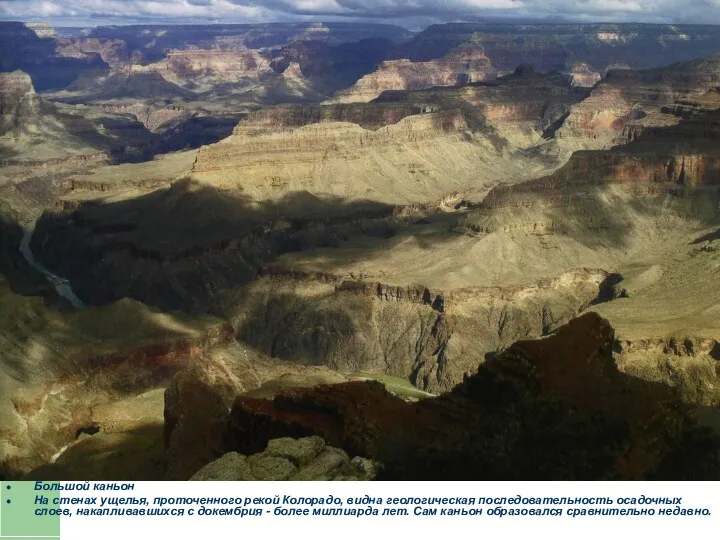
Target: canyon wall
[(450, 54), (430, 337), (461, 66), (567, 385)]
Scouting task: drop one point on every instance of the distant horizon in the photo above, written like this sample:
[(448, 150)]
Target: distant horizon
[(487, 20), (410, 14)]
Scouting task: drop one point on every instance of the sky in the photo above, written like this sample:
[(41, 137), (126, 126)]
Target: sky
[(413, 14)]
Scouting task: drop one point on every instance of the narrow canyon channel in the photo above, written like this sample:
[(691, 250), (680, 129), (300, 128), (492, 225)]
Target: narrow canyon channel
[(62, 285)]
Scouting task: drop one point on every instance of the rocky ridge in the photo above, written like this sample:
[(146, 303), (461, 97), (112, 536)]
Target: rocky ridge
[(460, 66), (154, 40), (413, 142), (201, 70), (358, 282), (583, 52), (632, 429), (628, 102), (114, 52)]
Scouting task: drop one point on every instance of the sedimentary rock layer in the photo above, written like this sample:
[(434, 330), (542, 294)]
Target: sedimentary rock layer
[(631, 429)]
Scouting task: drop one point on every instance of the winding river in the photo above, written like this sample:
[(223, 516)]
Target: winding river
[(62, 285)]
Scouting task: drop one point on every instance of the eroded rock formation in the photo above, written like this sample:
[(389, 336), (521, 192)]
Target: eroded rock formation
[(629, 101), (114, 52), (203, 69), (460, 66), (431, 337), (408, 239), (24, 49), (458, 52), (603, 424)]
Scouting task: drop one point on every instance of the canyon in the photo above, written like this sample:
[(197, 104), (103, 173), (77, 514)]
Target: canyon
[(217, 238), (448, 54)]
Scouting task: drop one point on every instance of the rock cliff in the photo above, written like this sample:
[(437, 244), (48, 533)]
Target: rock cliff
[(201, 70), (25, 50), (451, 53), (41, 29), (33, 130), (403, 148), (431, 337), (629, 101), (604, 425), (114, 52), (19, 104), (460, 66)]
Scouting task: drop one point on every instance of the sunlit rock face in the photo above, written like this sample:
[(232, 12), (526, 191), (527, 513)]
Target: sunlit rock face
[(460, 66), (451, 53)]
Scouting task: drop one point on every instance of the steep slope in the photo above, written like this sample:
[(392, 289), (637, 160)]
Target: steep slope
[(32, 128), (650, 203), (573, 415), (23, 49), (201, 70), (65, 374), (407, 148), (114, 52), (56, 366), (585, 52), (627, 102), (459, 66), (153, 40), (20, 107)]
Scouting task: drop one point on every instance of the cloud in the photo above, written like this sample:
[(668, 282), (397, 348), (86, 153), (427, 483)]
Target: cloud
[(700, 11)]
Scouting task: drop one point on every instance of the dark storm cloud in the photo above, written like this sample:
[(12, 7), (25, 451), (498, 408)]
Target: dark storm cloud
[(382, 8), (701, 11)]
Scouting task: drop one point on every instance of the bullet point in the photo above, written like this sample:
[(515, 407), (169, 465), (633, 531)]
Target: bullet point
[(9, 501), (8, 487)]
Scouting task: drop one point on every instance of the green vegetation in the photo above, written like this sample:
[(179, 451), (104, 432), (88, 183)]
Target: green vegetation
[(395, 385)]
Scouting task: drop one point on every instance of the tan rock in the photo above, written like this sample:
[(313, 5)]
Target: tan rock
[(231, 467)]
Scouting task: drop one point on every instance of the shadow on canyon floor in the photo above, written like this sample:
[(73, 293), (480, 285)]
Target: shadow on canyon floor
[(22, 277), (124, 456), (177, 247), (709, 237), (132, 142), (556, 408)]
